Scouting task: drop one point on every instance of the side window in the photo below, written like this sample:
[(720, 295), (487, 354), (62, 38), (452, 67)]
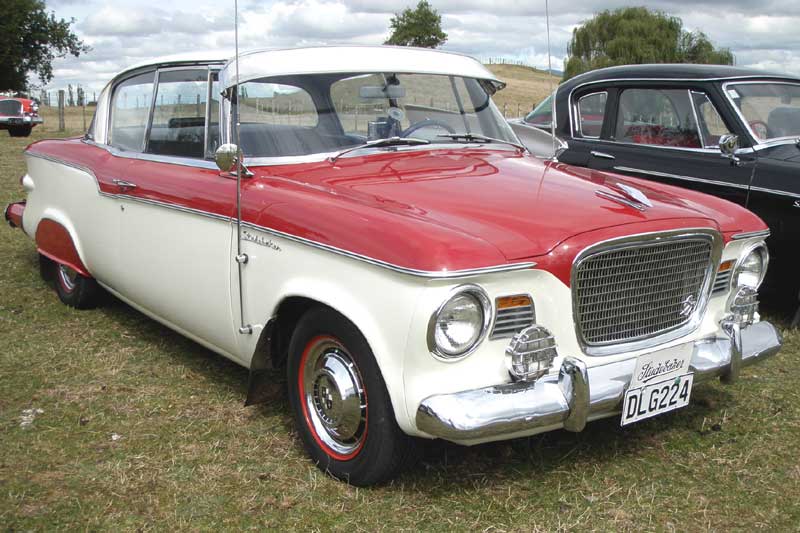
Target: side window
[(542, 114), (179, 114), (591, 112), (661, 117), (130, 110), (212, 143), (712, 127)]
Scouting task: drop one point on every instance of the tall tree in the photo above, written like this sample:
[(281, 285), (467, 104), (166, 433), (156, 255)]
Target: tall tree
[(635, 35), (421, 26), (30, 39)]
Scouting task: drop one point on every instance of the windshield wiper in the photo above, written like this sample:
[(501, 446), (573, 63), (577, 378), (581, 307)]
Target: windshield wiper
[(378, 143), (481, 138)]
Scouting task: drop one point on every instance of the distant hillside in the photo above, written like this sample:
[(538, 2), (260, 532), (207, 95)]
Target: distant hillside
[(526, 87)]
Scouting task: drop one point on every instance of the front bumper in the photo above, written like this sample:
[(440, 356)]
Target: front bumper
[(7, 121), (578, 394)]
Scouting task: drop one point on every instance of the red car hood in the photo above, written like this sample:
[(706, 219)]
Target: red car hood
[(471, 200)]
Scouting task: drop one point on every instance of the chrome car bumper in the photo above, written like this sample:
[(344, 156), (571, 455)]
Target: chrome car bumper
[(578, 394), (20, 121)]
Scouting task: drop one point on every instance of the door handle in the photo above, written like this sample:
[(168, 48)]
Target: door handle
[(602, 155), (122, 184)]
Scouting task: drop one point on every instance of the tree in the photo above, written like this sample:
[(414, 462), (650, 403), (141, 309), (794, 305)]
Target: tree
[(421, 26), (30, 39), (636, 35)]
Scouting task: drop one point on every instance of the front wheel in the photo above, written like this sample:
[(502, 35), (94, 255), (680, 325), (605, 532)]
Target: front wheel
[(20, 131), (340, 403)]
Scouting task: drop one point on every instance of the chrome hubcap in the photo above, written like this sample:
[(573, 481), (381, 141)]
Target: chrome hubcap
[(67, 277), (334, 396)]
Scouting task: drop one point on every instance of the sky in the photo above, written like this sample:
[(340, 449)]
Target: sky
[(761, 34)]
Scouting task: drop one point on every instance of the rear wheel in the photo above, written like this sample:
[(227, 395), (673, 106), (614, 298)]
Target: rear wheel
[(73, 289), (340, 403)]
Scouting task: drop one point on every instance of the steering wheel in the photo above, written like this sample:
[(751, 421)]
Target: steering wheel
[(426, 123), (759, 127)]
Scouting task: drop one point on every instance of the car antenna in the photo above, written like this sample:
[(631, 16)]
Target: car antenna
[(241, 258), (550, 74)]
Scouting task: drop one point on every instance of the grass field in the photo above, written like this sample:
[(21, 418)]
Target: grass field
[(109, 421)]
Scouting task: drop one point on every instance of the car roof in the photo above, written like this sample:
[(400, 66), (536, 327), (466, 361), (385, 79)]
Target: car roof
[(671, 71), (325, 59)]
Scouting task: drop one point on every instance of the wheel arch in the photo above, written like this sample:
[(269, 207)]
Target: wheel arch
[(272, 347), (56, 239)]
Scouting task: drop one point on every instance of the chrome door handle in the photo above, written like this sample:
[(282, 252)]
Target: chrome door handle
[(602, 155), (122, 184)]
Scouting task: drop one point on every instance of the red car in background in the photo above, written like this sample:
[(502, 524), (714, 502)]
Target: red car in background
[(18, 115)]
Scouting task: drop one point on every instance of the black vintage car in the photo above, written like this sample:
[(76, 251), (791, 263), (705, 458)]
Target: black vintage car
[(727, 131)]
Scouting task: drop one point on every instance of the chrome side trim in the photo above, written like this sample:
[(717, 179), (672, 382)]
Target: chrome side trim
[(705, 293), (430, 274), (751, 235), (155, 158), (679, 177), (792, 195)]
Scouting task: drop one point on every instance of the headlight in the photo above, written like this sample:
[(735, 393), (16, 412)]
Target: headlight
[(460, 323), (35, 107), (752, 266)]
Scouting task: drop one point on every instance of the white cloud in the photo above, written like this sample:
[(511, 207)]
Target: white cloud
[(761, 35)]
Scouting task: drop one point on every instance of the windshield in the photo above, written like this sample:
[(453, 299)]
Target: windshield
[(771, 110), (324, 113)]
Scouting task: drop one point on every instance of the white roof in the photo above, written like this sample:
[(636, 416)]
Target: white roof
[(331, 59), (213, 56)]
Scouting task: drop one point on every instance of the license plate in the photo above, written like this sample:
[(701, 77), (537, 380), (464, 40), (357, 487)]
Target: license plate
[(656, 398)]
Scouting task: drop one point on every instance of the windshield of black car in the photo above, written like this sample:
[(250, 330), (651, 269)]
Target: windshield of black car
[(770, 109), (324, 113)]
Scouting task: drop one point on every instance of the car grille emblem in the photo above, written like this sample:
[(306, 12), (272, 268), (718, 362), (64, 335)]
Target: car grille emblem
[(688, 305)]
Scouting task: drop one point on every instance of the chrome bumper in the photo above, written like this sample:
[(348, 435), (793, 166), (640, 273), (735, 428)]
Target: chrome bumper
[(578, 394)]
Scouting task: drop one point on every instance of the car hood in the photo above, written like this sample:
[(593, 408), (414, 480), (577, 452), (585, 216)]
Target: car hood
[(519, 206)]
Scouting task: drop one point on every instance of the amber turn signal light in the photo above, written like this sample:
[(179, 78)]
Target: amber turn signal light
[(518, 300), (726, 265)]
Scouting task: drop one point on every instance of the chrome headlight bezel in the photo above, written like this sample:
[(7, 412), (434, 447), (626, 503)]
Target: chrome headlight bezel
[(480, 296), (760, 247)]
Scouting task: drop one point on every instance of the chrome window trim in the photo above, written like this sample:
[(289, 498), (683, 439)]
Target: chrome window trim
[(757, 141), (705, 294), (486, 305), (657, 146), (696, 119), (663, 80), (427, 274), (578, 114), (113, 95), (680, 177), (156, 158)]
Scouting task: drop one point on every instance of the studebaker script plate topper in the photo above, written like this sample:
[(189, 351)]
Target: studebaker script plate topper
[(365, 217)]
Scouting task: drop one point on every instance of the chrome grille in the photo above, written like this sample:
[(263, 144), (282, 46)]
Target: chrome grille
[(722, 282), (511, 321), (640, 290), (10, 108)]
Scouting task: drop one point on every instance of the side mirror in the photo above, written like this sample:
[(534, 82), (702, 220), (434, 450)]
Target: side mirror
[(225, 157), (728, 144)]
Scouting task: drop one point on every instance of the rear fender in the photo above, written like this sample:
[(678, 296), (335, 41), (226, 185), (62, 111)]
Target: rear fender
[(54, 240)]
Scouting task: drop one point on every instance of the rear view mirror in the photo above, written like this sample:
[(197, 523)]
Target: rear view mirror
[(225, 157), (390, 91), (728, 144)]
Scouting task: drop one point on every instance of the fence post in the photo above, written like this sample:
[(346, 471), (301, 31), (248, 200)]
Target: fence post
[(505, 113), (197, 105), (519, 113), (61, 126), (83, 113)]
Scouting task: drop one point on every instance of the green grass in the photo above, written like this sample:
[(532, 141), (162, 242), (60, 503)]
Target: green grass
[(191, 457)]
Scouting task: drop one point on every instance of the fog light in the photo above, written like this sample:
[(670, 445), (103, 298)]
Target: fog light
[(744, 305), (531, 353)]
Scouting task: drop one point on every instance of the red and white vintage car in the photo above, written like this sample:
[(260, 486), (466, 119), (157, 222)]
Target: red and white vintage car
[(416, 271), (18, 115)]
